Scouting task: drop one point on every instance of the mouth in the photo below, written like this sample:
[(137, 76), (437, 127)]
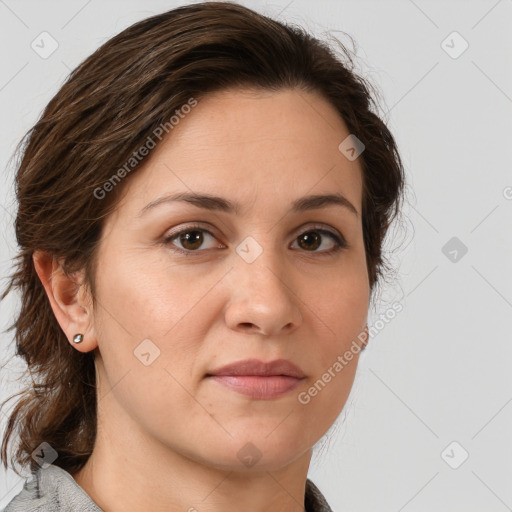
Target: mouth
[(258, 387), (257, 379)]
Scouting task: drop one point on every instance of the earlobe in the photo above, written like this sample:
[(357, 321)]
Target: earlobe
[(69, 307)]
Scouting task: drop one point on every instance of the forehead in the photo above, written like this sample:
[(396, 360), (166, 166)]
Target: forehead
[(251, 146)]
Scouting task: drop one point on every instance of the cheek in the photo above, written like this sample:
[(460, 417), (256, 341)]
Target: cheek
[(340, 303), (335, 356), (326, 397), (339, 311), (148, 293), (147, 316), (144, 297)]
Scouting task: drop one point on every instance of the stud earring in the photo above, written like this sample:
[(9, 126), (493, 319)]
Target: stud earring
[(78, 338)]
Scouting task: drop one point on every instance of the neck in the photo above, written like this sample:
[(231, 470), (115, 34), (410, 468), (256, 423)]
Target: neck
[(130, 471), (122, 484)]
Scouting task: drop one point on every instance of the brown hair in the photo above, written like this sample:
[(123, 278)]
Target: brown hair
[(105, 111)]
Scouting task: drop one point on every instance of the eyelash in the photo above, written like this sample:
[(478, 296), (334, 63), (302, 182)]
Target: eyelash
[(340, 242)]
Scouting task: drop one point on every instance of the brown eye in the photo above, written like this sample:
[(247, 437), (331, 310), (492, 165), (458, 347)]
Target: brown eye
[(312, 239), (191, 239)]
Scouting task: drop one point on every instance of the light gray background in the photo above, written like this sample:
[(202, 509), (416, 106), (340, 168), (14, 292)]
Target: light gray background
[(440, 371)]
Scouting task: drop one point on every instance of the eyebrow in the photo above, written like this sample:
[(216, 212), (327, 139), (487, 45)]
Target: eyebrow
[(210, 202)]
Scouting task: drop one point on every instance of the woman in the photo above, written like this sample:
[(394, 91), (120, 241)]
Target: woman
[(202, 208)]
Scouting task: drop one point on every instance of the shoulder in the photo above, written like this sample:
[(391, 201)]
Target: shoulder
[(314, 500), (54, 490), (51, 489)]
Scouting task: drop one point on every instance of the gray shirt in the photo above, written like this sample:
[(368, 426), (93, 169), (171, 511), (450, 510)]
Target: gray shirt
[(53, 489)]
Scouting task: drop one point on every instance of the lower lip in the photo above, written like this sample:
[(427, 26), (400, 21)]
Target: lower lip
[(258, 387)]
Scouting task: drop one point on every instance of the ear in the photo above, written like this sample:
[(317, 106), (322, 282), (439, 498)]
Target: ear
[(71, 306)]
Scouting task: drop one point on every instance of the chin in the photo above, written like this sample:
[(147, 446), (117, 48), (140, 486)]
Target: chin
[(256, 451)]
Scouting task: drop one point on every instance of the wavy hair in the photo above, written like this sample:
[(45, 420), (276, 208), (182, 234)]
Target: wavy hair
[(104, 112)]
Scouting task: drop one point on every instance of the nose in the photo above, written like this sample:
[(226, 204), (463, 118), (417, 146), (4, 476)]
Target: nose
[(262, 299)]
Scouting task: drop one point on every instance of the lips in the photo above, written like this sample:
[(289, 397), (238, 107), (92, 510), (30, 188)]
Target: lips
[(257, 379), (259, 368)]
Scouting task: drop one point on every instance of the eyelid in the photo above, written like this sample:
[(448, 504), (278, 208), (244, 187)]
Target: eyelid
[(323, 227), (189, 227)]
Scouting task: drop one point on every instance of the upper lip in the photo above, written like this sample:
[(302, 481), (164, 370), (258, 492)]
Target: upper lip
[(257, 367)]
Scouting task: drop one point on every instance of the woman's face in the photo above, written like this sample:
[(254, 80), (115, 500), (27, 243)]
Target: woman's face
[(265, 282)]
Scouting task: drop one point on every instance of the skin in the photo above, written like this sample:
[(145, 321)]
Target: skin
[(168, 437)]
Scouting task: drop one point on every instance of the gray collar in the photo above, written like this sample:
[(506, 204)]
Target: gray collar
[(54, 490)]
